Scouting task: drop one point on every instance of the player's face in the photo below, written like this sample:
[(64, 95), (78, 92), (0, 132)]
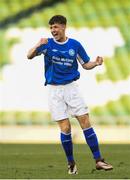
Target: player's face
[(58, 32)]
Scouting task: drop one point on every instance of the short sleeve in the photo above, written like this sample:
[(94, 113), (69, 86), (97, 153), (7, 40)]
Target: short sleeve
[(82, 55), (42, 49)]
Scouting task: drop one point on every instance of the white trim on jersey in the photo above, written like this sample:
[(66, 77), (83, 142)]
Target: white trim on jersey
[(80, 59), (61, 42)]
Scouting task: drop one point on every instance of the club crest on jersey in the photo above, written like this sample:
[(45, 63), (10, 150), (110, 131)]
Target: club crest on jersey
[(71, 52)]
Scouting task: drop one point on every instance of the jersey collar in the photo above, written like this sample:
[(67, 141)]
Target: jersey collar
[(61, 42)]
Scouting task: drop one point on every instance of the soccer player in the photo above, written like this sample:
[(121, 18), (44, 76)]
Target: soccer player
[(61, 57)]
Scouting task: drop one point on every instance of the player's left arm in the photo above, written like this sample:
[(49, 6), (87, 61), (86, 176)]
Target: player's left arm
[(92, 64)]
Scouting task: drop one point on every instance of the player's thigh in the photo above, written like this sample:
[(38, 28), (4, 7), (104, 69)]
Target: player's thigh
[(57, 106), (76, 103)]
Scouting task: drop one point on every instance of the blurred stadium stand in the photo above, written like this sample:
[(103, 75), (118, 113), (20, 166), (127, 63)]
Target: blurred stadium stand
[(80, 13)]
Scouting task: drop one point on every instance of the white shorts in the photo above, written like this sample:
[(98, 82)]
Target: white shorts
[(65, 100)]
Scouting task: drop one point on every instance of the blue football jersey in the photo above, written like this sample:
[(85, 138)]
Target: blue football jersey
[(61, 60)]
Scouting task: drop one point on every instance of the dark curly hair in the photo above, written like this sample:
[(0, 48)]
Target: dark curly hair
[(59, 19)]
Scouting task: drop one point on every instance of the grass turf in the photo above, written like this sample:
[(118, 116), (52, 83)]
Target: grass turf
[(47, 161)]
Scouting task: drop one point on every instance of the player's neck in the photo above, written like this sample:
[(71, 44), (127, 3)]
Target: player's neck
[(62, 39), (61, 42)]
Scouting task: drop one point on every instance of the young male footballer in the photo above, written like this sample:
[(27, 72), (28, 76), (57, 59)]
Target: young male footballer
[(61, 57)]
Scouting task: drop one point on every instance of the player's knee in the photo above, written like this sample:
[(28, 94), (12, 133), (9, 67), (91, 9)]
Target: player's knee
[(65, 126), (66, 129), (84, 121)]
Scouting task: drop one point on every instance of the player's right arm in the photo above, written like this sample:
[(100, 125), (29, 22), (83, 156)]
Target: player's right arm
[(33, 51), (84, 59)]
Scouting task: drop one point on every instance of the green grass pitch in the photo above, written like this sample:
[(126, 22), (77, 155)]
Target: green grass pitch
[(47, 161)]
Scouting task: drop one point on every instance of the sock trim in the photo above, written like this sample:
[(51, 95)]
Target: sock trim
[(66, 140), (91, 135), (65, 133), (87, 128)]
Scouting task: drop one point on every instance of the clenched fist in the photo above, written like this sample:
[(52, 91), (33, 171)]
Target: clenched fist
[(41, 42), (99, 60)]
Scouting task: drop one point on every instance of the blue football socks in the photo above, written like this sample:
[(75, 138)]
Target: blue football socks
[(92, 142), (67, 146)]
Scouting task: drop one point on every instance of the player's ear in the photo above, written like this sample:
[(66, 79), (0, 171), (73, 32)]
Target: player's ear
[(63, 26)]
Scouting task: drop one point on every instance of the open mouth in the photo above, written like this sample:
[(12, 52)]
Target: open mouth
[(55, 34)]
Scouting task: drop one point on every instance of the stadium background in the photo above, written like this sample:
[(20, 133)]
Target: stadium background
[(103, 28)]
